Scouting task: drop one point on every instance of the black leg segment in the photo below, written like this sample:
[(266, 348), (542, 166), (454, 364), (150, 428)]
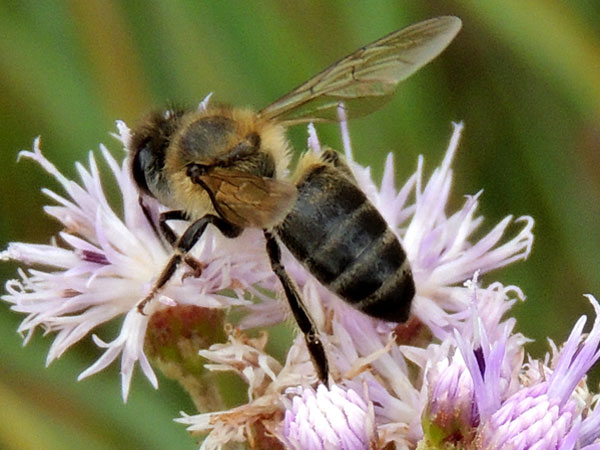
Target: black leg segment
[(303, 319), (147, 213), (165, 229), (185, 243)]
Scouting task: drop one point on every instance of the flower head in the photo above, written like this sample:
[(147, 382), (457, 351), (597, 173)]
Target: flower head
[(484, 397), (450, 411), (547, 412), (370, 356), (443, 366), (105, 265), (328, 419)]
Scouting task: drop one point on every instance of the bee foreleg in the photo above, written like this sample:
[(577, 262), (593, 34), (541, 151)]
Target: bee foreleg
[(147, 213), (183, 245), (303, 319), (165, 229)]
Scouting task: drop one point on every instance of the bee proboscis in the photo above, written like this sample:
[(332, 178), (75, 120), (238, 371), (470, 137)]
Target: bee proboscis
[(224, 166)]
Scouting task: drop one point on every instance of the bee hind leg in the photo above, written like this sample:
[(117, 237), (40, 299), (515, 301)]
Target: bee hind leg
[(183, 245), (333, 158), (302, 316)]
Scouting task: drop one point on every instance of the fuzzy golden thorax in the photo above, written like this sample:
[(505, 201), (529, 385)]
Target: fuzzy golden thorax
[(175, 140)]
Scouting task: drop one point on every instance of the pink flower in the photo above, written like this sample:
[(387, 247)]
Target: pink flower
[(386, 376), (105, 264)]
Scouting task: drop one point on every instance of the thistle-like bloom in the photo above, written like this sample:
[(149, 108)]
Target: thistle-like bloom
[(106, 264), (450, 411), (551, 408), (329, 418), (483, 396), (365, 354)]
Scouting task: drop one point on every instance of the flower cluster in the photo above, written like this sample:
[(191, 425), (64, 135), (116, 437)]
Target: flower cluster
[(456, 375)]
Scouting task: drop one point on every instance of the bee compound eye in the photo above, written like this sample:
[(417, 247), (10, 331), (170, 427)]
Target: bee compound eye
[(141, 165)]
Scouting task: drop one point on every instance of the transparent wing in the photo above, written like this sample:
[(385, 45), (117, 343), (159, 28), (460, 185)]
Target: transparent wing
[(248, 200), (364, 80)]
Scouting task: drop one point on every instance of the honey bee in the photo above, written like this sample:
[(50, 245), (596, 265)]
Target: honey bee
[(225, 166)]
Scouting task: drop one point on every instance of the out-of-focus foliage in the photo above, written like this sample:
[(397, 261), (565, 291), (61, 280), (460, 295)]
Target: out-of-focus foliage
[(523, 76)]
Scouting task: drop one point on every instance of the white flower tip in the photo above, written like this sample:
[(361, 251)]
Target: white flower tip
[(123, 134), (26, 337), (6, 255), (458, 126), (526, 233), (36, 150), (204, 103), (14, 252), (126, 373), (168, 301), (22, 154), (49, 360), (527, 219), (517, 291), (341, 112), (594, 303), (453, 146), (473, 283), (83, 375), (313, 139), (99, 342), (124, 392), (185, 418)]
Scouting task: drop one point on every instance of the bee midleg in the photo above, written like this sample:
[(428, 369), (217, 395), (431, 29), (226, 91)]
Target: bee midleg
[(302, 316), (183, 245)]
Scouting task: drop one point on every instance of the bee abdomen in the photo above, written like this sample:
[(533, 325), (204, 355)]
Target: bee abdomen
[(345, 243)]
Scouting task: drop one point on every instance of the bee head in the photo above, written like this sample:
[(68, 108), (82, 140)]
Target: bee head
[(148, 147)]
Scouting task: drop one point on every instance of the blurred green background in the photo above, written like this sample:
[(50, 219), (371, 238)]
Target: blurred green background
[(523, 76)]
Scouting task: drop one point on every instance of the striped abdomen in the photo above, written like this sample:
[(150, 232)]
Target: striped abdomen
[(344, 242)]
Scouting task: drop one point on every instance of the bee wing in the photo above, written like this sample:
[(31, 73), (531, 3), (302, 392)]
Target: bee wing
[(249, 200), (364, 80)]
